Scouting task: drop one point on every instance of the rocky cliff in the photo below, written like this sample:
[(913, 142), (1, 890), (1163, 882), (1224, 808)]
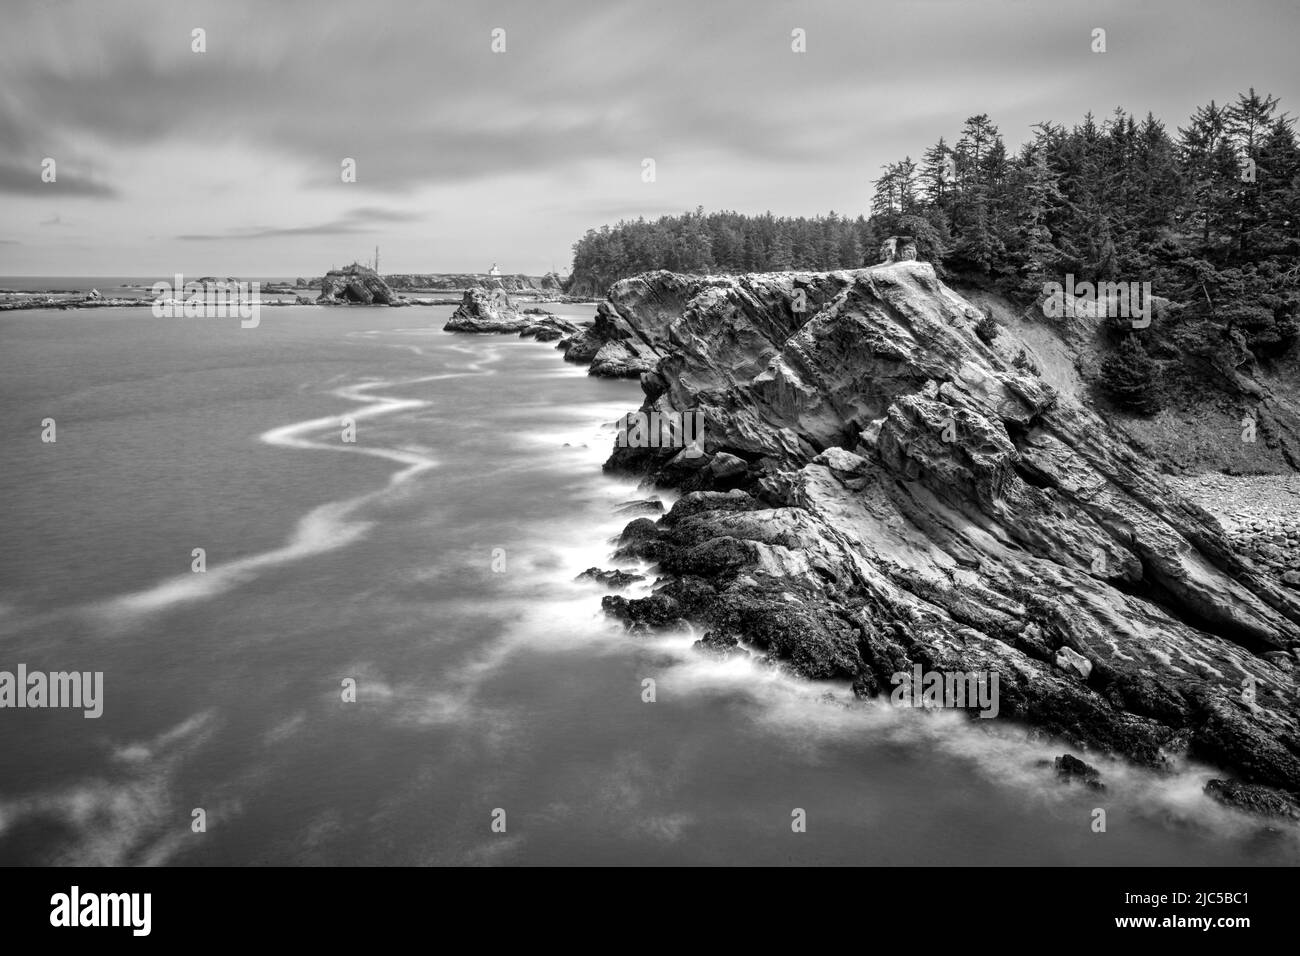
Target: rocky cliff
[(882, 488)]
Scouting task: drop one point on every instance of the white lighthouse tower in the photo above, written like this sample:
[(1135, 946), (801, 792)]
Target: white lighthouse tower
[(494, 271)]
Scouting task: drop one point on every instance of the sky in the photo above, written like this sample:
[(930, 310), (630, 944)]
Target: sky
[(230, 161)]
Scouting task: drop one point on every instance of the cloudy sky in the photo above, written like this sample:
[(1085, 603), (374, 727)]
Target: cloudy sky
[(229, 161)]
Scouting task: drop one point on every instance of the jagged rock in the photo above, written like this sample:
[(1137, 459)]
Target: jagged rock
[(611, 579), (550, 329), (356, 285), (1252, 798), (720, 645), (616, 349), (1069, 767), (647, 506), (643, 615), (486, 312), (724, 466), (638, 540), (911, 496)]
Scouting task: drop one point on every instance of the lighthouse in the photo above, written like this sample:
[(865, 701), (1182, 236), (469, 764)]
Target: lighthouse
[(494, 271)]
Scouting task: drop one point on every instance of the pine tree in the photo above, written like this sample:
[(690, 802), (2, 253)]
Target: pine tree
[(782, 259), (1132, 378), (906, 185), (1036, 194), (1248, 123), (1210, 166), (884, 193), (937, 174)]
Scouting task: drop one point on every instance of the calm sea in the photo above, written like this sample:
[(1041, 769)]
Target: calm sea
[(431, 562)]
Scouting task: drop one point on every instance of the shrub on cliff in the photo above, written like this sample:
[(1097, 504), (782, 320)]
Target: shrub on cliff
[(1131, 377), (987, 328)]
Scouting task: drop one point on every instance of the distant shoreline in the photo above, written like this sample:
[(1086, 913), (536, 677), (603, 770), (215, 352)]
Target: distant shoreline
[(431, 289)]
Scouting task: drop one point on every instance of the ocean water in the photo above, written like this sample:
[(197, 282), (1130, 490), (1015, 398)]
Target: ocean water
[(108, 285), (432, 562)]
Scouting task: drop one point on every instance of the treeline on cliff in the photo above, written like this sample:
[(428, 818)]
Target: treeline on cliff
[(719, 242), (1208, 214)]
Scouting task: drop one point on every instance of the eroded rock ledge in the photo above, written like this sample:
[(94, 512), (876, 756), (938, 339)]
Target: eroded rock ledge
[(881, 488)]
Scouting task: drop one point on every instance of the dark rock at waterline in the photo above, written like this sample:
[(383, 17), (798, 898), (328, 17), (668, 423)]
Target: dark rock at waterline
[(542, 332), (720, 645), (1230, 734), (865, 686), (700, 502), (611, 579), (1069, 767), (1253, 798), (644, 615), (648, 506), (638, 540)]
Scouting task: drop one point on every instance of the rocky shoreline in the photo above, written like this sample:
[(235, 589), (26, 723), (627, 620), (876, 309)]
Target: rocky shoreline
[(881, 488)]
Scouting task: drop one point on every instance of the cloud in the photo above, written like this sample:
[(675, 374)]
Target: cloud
[(20, 181), (520, 152), (360, 220)]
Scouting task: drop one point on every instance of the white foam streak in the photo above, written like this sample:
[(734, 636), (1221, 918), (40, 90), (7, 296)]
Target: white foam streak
[(327, 527)]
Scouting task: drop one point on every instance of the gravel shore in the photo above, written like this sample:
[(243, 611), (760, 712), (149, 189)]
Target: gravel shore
[(1261, 514)]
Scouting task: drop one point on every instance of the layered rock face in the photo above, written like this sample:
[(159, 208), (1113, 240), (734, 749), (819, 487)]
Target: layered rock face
[(630, 333), (880, 489), (356, 285)]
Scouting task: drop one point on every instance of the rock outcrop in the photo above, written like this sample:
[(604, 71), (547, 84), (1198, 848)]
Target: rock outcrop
[(356, 285), (897, 249), (493, 312), (881, 488), (630, 333)]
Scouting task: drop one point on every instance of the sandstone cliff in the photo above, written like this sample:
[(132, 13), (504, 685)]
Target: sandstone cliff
[(882, 488)]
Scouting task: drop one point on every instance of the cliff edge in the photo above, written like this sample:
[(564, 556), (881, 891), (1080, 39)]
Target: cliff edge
[(882, 488)]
